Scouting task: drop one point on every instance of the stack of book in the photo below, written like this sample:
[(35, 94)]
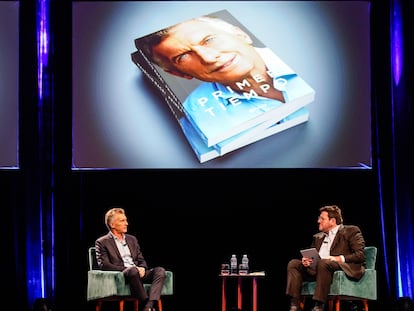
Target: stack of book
[(216, 116)]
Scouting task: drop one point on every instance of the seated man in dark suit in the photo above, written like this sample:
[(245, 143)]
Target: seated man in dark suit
[(120, 251), (340, 246)]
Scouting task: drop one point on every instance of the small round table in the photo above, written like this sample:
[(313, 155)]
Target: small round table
[(240, 277)]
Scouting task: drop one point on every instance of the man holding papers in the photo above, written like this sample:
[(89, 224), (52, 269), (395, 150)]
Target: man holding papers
[(341, 247)]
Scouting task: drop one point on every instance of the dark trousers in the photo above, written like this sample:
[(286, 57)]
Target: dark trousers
[(297, 273), (154, 276)]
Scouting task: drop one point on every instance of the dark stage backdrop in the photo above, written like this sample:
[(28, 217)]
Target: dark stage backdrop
[(253, 205), (119, 122), (267, 215)]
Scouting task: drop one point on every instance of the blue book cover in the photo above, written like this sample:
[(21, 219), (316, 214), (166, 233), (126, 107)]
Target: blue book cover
[(200, 148), (244, 139), (205, 153), (237, 82)]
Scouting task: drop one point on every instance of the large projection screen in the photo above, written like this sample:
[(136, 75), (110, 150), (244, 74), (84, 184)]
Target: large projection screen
[(121, 122), (9, 84)]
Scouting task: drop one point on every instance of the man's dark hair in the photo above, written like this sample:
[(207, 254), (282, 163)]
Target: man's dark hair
[(333, 212), (148, 42)]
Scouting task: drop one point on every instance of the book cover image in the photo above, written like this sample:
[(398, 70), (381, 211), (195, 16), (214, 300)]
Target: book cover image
[(203, 152), (243, 88)]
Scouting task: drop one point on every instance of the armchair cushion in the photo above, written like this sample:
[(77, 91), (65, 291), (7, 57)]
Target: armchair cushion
[(112, 283), (342, 286), (365, 288), (105, 284)]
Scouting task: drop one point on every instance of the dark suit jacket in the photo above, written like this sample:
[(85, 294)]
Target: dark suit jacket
[(109, 258), (350, 243)]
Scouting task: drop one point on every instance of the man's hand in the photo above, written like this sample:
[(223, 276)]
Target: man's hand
[(306, 261), (141, 271)]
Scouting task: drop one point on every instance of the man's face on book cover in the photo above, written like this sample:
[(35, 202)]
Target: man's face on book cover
[(209, 50)]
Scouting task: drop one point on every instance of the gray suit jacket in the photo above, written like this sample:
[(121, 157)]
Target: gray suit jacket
[(350, 243), (109, 258)]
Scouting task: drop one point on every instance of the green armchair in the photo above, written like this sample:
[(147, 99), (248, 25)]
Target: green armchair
[(343, 288), (110, 286)]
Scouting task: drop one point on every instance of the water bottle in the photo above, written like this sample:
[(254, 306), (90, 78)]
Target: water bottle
[(233, 264), (244, 267)]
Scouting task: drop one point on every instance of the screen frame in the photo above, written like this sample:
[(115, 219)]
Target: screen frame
[(9, 84), (362, 166)]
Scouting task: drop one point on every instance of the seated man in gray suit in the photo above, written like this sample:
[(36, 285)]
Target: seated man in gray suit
[(120, 251)]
